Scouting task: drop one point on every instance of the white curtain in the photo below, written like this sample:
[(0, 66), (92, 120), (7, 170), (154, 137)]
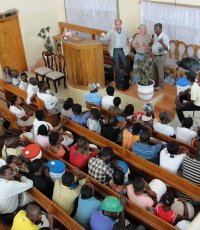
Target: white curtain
[(98, 14), (180, 23)]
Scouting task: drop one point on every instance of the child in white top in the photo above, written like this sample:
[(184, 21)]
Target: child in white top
[(24, 81), (32, 90), (93, 121), (14, 77)]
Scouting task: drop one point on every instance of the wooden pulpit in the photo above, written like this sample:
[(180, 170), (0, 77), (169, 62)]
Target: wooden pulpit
[(84, 61)]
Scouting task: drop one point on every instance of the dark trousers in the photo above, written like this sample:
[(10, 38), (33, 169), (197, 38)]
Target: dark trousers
[(118, 56), (185, 107)]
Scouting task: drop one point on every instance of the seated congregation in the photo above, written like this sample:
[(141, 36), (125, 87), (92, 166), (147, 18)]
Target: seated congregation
[(23, 165)]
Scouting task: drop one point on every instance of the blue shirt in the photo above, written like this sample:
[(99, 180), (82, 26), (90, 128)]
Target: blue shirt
[(146, 151), (85, 209), (100, 222), (93, 98), (81, 119)]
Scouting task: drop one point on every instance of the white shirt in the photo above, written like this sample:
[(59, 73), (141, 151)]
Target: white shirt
[(107, 101), (36, 125), (31, 90), (183, 225), (15, 81), (172, 164), (19, 113), (118, 43), (23, 85), (94, 125), (185, 135), (9, 191), (163, 128), (195, 93), (49, 100), (157, 48)]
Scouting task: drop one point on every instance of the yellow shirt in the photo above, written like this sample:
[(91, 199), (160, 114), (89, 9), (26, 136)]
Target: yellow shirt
[(21, 222), (65, 196)]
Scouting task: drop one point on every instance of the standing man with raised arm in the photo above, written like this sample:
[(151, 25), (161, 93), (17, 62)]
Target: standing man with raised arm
[(119, 47), (160, 47)]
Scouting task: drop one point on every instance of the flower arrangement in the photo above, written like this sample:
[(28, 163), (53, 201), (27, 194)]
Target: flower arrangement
[(66, 36), (45, 35)]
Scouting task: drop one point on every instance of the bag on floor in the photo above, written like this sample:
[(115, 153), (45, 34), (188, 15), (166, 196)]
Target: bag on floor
[(189, 63)]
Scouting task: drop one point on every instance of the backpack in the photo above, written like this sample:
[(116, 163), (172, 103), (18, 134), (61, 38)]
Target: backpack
[(189, 63)]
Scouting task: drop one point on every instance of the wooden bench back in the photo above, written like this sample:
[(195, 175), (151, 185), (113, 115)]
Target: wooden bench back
[(53, 208), (177, 49), (132, 209)]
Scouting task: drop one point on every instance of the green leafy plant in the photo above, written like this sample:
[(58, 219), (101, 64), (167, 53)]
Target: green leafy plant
[(45, 35), (144, 70)]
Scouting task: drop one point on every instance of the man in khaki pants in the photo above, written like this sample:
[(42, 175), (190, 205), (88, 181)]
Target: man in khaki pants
[(160, 47)]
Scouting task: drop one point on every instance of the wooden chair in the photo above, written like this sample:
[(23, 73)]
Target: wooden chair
[(48, 60), (59, 73), (177, 51)]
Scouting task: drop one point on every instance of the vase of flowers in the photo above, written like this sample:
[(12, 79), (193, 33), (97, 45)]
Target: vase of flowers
[(145, 84), (44, 34)]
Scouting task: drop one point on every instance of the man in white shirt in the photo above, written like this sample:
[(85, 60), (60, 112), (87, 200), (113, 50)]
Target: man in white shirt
[(170, 158), (160, 47), (184, 134), (52, 104), (191, 96), (10, 189), (162, 125), (119, 47), (107, 101), (32, 89)]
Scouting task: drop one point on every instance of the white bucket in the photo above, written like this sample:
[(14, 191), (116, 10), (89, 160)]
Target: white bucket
[(145, 92), (181, 88), (55, 176), (178, 207), (158, 187)]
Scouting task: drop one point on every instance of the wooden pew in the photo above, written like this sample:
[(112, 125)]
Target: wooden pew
[(155, 134), (132, 209), (139, 163), (10, 89), (51, 207)]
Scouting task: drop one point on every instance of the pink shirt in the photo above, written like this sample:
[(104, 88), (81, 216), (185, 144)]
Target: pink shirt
[(142, 200), (43, 141)]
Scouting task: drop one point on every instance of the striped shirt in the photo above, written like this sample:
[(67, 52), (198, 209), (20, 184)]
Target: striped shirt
[(191, 172)]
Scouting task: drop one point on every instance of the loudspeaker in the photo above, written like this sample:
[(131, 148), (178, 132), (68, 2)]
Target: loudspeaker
[(123, 83), (109, 73)]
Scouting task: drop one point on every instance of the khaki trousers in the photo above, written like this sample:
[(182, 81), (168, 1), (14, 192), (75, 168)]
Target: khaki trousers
[(158, 63)]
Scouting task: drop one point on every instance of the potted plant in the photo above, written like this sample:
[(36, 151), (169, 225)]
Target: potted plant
[(145, 83), (44, 34)]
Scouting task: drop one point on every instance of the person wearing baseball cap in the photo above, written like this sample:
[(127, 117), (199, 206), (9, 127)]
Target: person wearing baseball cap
[(111, 210), (93, 97), (191, 96)]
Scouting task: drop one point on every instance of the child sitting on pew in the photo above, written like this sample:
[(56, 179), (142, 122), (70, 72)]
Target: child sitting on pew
[(24, 81), (117, 183), (14, 77), (148, 117), (78, 116), (67, 108), (32, 90), (6, 74), (81, 152), (116, 106), (93, 123)]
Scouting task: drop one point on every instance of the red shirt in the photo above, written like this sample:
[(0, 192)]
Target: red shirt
[(169, 216), (78, 159)]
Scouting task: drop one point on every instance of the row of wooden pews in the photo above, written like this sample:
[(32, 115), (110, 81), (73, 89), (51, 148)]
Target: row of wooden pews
[(131, 209)]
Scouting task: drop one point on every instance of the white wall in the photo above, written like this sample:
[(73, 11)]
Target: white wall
[(33, 15)]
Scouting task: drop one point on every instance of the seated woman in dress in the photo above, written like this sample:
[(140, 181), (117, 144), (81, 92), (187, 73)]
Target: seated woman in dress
[(23, 118)]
